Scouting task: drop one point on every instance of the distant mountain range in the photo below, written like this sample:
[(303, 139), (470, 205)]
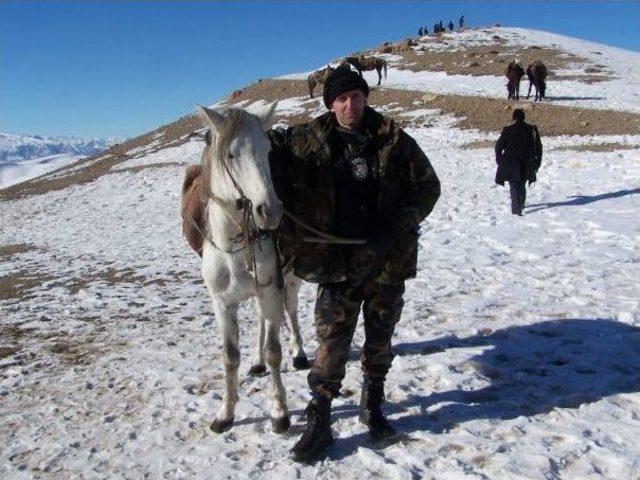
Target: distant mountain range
[(17, 148)]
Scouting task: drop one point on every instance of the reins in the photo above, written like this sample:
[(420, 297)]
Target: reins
[(322, 236)]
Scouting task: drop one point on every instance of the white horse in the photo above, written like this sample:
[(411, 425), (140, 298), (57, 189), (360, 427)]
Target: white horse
[(239, 259)]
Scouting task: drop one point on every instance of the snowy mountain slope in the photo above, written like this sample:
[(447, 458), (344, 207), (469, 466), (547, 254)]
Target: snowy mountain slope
[(15, 148), (24, 156), (517, 352)]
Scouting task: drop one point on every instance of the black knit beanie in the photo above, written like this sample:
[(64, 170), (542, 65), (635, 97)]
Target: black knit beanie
[(341, 80)]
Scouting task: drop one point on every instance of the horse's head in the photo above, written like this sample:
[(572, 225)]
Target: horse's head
[(236, 163)]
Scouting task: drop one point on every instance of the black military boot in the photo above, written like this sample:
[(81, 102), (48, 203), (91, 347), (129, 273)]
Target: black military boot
[(317, 434), (370, 412)]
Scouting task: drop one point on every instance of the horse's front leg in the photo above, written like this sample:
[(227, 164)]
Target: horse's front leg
[(296, 349), (227, 316), (257, 365), (379, 77), (270, 307)]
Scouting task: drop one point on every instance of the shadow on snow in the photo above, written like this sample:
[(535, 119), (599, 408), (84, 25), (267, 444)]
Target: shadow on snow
[(531, 369), (579, 200)]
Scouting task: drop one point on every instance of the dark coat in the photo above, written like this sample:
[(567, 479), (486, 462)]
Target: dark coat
[(407, 192), (518, 153)]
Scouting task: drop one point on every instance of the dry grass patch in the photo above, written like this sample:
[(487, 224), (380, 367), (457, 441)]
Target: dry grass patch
[(110, 276), (479, 144), (13, 249), (490, 59), (599, 147), (20, 284), (482, 113), (490, 115)]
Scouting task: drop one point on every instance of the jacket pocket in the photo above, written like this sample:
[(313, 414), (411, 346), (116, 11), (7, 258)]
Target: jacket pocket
[(403, 260)]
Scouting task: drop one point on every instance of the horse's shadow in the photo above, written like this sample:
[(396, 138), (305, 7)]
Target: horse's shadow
[(579, 200), (529, 369)]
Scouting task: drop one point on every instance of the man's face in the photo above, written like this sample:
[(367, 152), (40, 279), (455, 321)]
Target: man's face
[(349, 108)]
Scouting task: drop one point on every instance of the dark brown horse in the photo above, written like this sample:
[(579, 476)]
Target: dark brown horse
[(537, 73), (514, 73), (368, 63), (318, 78)]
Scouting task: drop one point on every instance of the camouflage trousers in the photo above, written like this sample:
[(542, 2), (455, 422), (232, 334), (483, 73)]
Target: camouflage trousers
[(336, 315)]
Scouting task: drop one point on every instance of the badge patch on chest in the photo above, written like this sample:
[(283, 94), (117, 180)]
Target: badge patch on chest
[(359, 168)]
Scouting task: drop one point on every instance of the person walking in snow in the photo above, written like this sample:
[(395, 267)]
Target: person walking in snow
[(518, 155), (461, 21), (354, 174)]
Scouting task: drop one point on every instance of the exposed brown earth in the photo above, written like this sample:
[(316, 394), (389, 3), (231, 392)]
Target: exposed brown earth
[(584, 147), (8, 250), (19, 284), (484, 60), (490, 59), (479, 144), (600, 147), (482, 113), (490, 115)]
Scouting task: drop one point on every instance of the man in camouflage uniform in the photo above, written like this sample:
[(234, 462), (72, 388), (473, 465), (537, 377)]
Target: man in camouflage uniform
[(354, 174)]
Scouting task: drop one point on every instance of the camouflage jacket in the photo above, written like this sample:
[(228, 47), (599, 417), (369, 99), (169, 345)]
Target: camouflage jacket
[(301, 168)]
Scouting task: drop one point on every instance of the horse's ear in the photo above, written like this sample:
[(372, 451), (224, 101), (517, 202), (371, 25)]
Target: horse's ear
[(209, 118), (266, 115)]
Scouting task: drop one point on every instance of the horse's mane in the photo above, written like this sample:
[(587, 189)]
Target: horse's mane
[(217, 152)]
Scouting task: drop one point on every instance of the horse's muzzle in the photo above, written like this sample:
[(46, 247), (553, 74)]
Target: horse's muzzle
[(268, 215)]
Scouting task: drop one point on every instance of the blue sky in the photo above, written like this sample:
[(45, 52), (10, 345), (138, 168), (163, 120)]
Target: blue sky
[(121, 68)]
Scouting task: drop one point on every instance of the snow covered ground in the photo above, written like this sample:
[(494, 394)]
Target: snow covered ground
[(517, 353)]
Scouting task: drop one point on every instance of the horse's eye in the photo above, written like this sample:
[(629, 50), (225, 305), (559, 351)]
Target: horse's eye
[(230, 157)]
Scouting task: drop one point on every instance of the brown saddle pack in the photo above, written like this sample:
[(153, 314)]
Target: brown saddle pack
[(193, 210)]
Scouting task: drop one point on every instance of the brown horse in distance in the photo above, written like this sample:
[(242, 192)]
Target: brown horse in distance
[(368, 63), (318, 78), (514, 73), (537, 73)]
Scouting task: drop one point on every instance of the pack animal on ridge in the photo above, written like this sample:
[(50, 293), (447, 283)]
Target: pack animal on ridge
[(363, 63), (537, 73)]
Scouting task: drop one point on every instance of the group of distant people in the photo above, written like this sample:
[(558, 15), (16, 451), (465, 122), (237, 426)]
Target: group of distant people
[(438, 27)]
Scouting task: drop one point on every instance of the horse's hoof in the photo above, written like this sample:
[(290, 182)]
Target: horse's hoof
[(281, 424), (301, 363), (257, 370), (219, 426)]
